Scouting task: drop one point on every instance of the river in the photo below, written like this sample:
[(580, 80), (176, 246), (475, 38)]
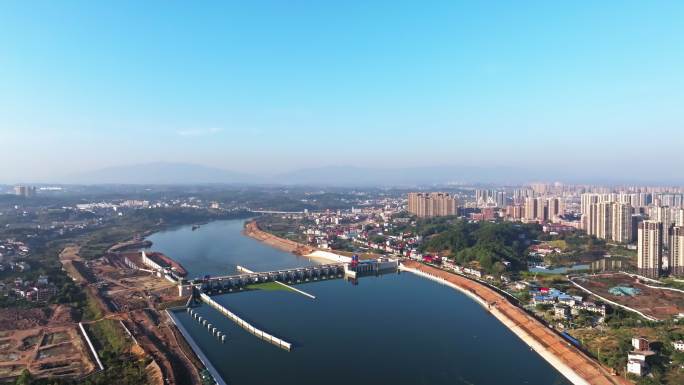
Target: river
[(392, 329)]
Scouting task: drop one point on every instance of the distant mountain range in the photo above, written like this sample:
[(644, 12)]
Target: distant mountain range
[(361, 176), (184, 173), (159, 173), (162, 173)]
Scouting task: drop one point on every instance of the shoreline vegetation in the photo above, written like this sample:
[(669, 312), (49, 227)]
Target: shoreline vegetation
[(572, 363)]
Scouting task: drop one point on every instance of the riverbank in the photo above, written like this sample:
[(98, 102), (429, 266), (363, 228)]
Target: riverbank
[(572, 363), (252, 230)]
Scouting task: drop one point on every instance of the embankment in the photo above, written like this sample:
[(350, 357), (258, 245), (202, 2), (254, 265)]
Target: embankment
[(200, 354), (252, 230), (572, 363)]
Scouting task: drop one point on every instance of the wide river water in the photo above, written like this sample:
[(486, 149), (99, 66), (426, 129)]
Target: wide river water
[(392, 329)]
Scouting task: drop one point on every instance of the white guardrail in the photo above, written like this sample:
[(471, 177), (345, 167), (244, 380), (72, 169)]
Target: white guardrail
[(90, 344), (246, 325)]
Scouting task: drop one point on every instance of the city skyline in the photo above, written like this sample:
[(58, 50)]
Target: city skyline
[(88, 86)]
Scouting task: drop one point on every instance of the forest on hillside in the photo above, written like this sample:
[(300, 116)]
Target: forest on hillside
[(489, 244)]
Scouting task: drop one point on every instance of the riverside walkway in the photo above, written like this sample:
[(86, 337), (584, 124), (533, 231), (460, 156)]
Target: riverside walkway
[(572, 363)]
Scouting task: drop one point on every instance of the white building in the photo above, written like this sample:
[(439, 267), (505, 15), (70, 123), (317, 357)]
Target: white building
[(650, 248), (678, 345), (621, 223), (636, 367), (677, 251)]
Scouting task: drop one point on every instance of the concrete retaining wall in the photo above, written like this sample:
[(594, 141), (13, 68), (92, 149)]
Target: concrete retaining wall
[(329, 256), (200, 354), (246, 325)]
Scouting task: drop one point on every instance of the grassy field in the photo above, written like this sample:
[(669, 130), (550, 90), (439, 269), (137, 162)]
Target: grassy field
[(110, 336), (269, 286), (92, 309), (113, 346)]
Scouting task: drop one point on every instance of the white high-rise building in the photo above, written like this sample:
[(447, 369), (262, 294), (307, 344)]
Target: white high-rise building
[(588, 199), (530, 208), (672, 200), (542, 212), (650, 248), (501, 198), (644, 199), (663, 214), (679, 217), (555, 208), (603, 220), (677, 251), (621, 220)]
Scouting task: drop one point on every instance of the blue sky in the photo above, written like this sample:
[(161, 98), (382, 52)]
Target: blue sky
[(561, 86)]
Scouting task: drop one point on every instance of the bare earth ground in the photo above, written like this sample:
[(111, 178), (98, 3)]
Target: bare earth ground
[(47, 346), (129, 289), (135, 296), (658, 303)]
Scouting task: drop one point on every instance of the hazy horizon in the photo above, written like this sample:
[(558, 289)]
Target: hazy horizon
[(567, 92), (165, 173)]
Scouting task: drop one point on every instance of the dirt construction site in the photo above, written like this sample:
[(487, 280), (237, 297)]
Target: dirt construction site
[(45, 341), (127, 291), (124, 298), (123, 288), (620, 288)]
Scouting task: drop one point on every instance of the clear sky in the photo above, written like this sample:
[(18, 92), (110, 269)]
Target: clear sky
[(293, 84)]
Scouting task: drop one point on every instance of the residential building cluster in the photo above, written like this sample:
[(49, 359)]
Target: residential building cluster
[(608, 216), (485, 198), (24, 191), (367, 229), (40, 290), (11, 251), (660, 242), (564, 304), (433, 204)]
